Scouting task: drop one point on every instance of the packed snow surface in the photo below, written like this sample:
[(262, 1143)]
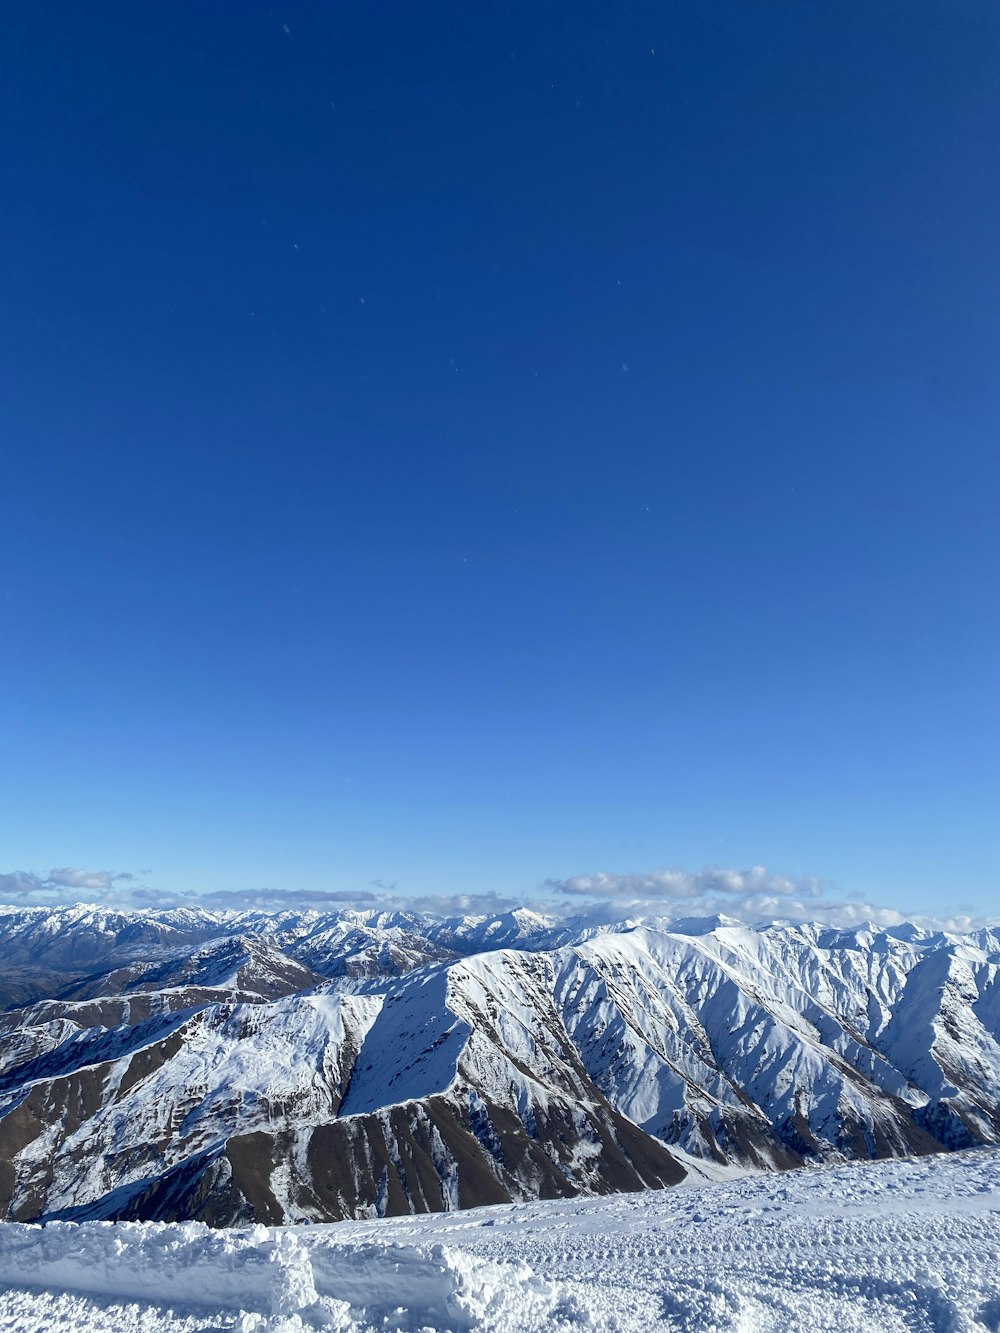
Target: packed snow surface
[(904, 1245)]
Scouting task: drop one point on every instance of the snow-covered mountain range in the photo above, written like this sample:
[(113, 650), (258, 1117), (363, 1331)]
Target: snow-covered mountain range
[(243, 1067)]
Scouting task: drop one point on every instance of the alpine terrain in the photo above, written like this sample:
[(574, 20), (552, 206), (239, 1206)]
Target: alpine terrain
[(236, 1068)]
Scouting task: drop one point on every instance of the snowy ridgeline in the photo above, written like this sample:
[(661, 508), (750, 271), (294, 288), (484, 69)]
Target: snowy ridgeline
[(305, 1069), (907, 1245)]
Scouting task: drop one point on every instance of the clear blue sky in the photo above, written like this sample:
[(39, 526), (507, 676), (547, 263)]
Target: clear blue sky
[(461, 444)]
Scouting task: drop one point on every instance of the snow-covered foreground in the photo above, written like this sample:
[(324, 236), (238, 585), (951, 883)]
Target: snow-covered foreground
[(890, 1246)]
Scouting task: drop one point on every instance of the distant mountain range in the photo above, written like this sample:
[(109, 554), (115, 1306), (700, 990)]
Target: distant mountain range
[(239, 1067)]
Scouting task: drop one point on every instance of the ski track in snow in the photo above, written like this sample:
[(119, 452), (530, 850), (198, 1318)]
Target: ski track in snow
[(865, 1248)]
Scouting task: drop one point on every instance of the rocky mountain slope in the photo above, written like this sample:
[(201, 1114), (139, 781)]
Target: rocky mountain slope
[(245, 1067)]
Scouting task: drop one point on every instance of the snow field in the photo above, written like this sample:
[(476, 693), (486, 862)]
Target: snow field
[(281, 1280), (865, 1248)]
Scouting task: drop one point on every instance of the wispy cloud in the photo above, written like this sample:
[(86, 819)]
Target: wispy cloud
[(752, 895), (71, 877), (677, 885), (123, 889), (20, 885), (62, 884), (363, 900)]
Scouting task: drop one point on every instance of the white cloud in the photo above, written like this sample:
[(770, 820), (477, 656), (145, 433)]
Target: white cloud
[(70, 877), (387, 899), (122, 889), (656, 885), (65, 884), (19, 884), (754, 895)]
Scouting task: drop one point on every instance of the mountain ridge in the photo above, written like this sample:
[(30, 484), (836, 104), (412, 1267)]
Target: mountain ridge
[(309, 1066)]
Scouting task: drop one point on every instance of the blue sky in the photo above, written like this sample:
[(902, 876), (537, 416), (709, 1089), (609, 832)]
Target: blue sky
[(462, 447)]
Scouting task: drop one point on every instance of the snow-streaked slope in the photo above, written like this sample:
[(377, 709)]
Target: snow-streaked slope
[(716, 1043), (432, 1096), (104, 1118), (240, 964), (867, 1248)]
